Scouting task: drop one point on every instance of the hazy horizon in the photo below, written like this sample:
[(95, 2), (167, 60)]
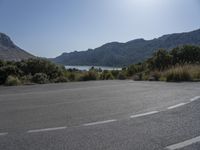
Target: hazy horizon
[(49, 28)]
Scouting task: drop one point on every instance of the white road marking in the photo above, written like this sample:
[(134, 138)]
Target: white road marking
[(2, 134), (99, 122), (46, 129), (183, 144), (195, 98), (144, 114), (175, 106)]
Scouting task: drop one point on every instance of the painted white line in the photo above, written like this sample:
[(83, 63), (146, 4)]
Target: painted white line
[(195, 98), (175, 106), (46, 129), (99, 122), (144, 114), (183, 144), (2, 134)]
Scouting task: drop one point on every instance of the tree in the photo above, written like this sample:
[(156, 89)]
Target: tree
[(7, 70), (186, 54), (160, 60)]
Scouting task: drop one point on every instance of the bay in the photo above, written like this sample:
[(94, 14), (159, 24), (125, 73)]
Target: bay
[(86, 68)]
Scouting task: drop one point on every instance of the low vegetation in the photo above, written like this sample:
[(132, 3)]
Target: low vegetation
[(180, 64), (31, 71), (11, 80)]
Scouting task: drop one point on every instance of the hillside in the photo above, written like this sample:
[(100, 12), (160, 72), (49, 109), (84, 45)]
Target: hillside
[(122, 54), (9, 51)]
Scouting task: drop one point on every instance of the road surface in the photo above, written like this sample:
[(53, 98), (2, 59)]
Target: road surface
[(101, 115)]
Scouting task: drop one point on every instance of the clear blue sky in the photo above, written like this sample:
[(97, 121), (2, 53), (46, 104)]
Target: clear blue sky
[(49, 27)]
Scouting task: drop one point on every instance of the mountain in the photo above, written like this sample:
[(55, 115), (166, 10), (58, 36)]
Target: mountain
[(122, 54), (9, 51)]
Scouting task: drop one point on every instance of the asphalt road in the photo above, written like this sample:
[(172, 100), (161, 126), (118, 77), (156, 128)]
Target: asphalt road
[(101, 115)]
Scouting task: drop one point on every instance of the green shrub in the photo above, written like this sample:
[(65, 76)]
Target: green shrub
[(61, 79), (138, 77), (40, 78), (7, 70), (39, 65), (154, 76), (12, 80), (145, 76), (115, 73), (28, 68), (121, 76), (162, 78), (26, 79), (71, 76), (87, 76), (136, 68), (109, 76), (103, 75)]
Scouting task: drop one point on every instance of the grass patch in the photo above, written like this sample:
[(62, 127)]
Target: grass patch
[(182, 73), (12, 81)]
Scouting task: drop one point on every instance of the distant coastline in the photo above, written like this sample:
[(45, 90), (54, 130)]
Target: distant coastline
[(87, 68)]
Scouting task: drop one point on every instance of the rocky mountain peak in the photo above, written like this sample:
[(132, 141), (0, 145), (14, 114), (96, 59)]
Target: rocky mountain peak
[(10, 52), (6, 41)]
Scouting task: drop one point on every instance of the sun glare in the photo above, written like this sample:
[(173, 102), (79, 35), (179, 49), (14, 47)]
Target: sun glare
[(143, 3)]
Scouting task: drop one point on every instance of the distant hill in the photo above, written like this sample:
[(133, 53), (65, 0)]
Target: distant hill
[(9, 51), (122, 54)]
